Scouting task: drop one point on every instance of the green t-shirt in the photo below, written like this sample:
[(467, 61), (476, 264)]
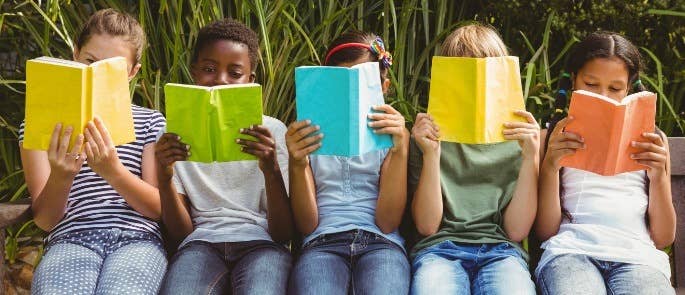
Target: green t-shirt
[(478, 181)]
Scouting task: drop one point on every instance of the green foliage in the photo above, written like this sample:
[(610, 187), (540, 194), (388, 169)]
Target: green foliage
[(295, 33)]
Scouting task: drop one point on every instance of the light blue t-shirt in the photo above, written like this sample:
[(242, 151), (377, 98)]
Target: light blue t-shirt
[(346, 194)]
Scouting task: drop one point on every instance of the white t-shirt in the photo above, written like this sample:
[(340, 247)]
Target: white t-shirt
[(608, 220), (228, 200)]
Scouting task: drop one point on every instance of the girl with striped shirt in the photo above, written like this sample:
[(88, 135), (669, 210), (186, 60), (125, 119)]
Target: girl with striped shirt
[(99, 202)]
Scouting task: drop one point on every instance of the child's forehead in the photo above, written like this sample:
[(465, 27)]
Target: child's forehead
[(225, 46)]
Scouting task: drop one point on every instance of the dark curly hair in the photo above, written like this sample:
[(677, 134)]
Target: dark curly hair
[(231, 30)]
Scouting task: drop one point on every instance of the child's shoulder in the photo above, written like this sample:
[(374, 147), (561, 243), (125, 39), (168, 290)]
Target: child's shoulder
[(142, 111)]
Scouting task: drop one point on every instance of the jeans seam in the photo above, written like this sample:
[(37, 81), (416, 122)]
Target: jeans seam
[(214, 282)]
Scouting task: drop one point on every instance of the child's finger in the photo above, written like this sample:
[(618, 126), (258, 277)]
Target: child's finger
[(252, 144), (521, 125), (384, 123), (53, 147), (263, 130), (567, 145), (381, 116), (260, 135), (308, 141), (91, 141), (387, 130), (527, 115), (559, 128), (566, 136), (519, 130), (386, 108), (297, 125), (77, 145), (102, 130), (653, 137), (648, 146), (89, 150), (648, 156), (305, 132), (97, 138), (64, 141)]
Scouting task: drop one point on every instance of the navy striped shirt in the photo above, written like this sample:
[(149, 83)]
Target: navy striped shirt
[(93, 203)]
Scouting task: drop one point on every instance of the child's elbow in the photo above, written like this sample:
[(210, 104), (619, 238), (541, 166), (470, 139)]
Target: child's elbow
[(427, 230), (665, 241), (518, 236)]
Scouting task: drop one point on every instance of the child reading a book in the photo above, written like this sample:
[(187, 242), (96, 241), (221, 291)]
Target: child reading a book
[(603, 233), (99, 202), (473, 203), (349, 208), (232, 217)]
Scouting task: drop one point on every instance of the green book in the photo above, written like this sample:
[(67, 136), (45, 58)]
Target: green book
[(209, 118)]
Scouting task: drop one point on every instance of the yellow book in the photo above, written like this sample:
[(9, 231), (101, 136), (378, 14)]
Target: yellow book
[(471, 98), (72, 93)]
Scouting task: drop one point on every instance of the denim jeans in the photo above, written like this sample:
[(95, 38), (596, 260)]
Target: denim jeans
[(102, 261), (455, 268), (352, 262), (252, 267), (580, 274)]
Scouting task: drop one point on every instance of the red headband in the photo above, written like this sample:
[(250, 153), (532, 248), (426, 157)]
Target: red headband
[(343, 46)]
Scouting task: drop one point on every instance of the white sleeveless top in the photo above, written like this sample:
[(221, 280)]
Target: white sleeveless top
[(608, 220)]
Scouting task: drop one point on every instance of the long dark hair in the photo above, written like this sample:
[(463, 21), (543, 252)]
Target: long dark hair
[(600, 44)]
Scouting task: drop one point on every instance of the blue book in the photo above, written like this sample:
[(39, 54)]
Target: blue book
[(339, 100)]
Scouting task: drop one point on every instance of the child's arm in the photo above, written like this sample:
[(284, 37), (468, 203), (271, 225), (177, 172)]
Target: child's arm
[(174, 206), (662, 217), (302, 188), (520, 212), (392, 195), (49, 176), (278, 212), (548, 217), (141, 194), (427, 205)]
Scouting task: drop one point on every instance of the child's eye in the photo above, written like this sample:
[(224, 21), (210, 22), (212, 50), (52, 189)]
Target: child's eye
[(591, 84), (209, 69), (236, 74), (613, 89), (90, 60)]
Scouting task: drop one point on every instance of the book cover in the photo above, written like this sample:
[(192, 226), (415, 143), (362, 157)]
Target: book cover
[(339, 100), (608, 127), (471, 98), (209, 118), (73, 93)]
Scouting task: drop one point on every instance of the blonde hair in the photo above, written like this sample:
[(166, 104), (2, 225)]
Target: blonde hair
[(116, 24), (474, 40)]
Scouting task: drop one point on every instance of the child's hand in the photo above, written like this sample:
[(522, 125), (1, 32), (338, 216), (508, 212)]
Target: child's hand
[(264, 148), (102, 155), (527, 134), (168, 150), (392, 122), (300, 143), (426, 134), (561, 144), (65, 165), (655, 155)]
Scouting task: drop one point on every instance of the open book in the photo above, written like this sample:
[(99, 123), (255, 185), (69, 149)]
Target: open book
[(471, 98), (608, 127), (209, 118), (339, 100), (72, 93)]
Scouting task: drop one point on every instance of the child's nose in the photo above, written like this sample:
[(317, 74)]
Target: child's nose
[(221, 79)]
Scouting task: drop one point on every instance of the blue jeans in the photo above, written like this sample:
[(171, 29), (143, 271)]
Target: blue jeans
[(103, 261), (352, 262), (580, 274), (455, 268), (252, 267)]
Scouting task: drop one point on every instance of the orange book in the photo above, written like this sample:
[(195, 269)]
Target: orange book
[(608, 128)]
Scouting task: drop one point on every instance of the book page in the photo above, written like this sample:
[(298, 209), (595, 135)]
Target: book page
[(54, 94), (189, 115), (110, 99), (236, 107), (640, 115), (453, 98), (64, 62), (323, 95), (503, 96), (370, 94)]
